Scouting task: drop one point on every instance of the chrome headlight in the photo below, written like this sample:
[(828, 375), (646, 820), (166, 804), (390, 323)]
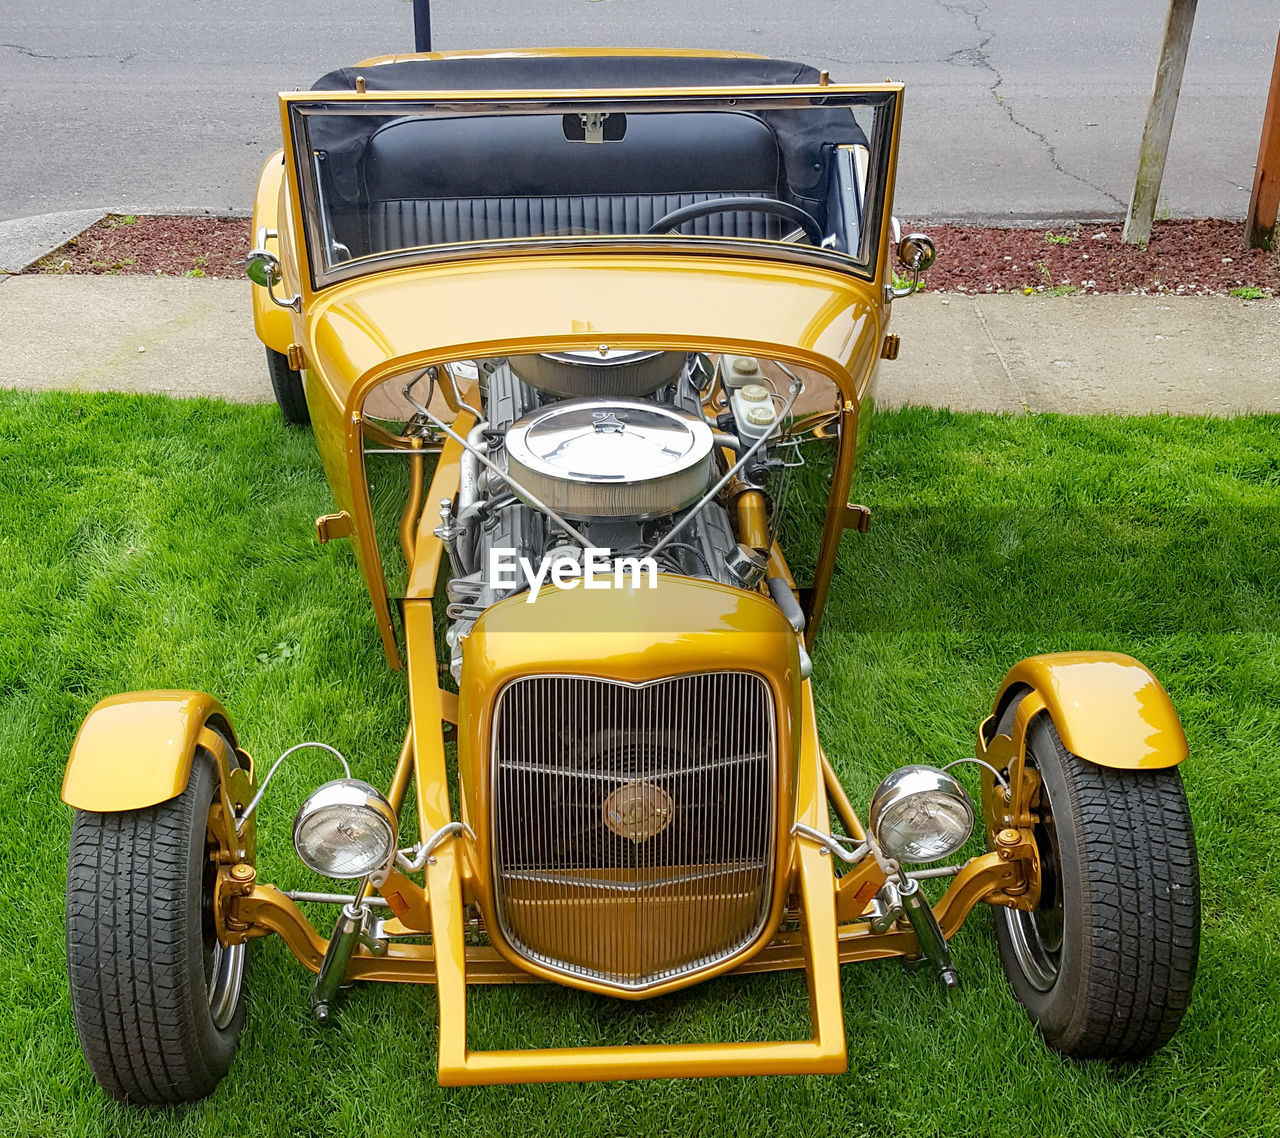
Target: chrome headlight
[(345, 829), (920, 814)]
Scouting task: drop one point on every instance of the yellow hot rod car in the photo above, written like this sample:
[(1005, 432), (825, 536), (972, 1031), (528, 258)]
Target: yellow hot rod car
[(565, 323)]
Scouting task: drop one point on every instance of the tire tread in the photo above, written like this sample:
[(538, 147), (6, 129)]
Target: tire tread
[(1141, 908), (128, 960)]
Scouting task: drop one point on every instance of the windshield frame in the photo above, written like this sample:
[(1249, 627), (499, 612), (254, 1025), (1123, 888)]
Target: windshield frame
[(884, 100)]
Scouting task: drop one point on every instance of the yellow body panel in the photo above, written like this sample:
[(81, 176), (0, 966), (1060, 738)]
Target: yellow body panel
[(271, 322), (1108, 708), (364, 330), (682, 624), (135, 750)]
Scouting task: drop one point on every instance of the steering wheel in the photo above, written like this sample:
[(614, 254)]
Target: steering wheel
[(771, 206)]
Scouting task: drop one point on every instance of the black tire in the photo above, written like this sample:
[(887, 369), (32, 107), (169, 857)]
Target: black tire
[(287, 384), (1106, 964), (141, 949)]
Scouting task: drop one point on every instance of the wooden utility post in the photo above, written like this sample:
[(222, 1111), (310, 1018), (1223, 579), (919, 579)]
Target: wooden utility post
[(1155, 135), (1260, 227)]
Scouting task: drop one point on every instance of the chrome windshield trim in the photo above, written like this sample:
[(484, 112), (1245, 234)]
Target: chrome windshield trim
[(715, 248), (883, 101)]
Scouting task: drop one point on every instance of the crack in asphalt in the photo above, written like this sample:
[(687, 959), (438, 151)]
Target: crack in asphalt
[(976, 55), (868, 65), (31, 53)]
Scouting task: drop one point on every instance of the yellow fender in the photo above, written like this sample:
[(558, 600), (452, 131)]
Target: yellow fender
[(1108, 708), (271, 322), (135, 750)]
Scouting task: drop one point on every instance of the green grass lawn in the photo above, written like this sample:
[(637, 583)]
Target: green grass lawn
[(148, 543)]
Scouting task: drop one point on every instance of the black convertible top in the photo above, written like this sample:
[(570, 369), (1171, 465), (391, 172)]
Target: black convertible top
[(805, 137), (545, 72)]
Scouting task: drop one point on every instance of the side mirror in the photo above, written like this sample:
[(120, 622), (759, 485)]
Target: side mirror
[(916, 253), (263, 268)]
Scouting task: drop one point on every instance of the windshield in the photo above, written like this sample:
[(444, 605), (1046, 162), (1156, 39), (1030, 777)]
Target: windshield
[(387, 180)]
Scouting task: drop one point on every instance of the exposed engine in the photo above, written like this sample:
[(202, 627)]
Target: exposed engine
[(610, 451)]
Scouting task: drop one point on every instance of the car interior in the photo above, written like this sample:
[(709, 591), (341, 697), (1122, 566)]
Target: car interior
[(428, 181)]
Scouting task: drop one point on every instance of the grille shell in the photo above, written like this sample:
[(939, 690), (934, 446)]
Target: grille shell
[(633, 825)]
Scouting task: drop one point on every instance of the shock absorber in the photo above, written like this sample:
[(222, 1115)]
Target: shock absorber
[(333, 970), (925, 925)]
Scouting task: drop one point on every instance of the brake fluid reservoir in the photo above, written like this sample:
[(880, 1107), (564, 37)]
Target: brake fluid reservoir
[(752, 410), (737, 371)]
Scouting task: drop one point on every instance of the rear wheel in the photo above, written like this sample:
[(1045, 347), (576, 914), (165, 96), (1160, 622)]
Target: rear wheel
[(1105, 963), (287, 385), (158, 1001)]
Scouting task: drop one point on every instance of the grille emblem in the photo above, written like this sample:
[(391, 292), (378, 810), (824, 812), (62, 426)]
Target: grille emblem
[(638, 811)]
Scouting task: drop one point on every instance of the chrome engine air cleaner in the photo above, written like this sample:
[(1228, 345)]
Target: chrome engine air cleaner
[(611, 458), (599, 373)]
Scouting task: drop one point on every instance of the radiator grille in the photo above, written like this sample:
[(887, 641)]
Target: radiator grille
[(633, 827)]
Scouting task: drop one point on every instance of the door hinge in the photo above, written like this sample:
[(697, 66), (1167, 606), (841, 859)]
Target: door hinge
[(332, 527), (857, 517), (891, 345), (297, 358)]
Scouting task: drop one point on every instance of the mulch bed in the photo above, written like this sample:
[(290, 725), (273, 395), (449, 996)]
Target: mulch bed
[(1184, 257), (1187, 257), (154, 246)]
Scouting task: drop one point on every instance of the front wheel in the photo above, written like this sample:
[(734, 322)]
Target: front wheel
[(1105, 963), (158, 1000)]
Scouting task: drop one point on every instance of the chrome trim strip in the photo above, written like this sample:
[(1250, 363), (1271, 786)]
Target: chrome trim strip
[(715, 248)]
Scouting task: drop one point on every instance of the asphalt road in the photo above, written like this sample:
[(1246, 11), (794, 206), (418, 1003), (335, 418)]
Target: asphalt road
[(1013, 112)]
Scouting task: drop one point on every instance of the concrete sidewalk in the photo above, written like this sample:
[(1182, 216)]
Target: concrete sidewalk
[(1193, 355)]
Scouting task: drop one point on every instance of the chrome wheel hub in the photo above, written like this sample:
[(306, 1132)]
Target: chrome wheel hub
[(224, 979), (1036, 937)]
